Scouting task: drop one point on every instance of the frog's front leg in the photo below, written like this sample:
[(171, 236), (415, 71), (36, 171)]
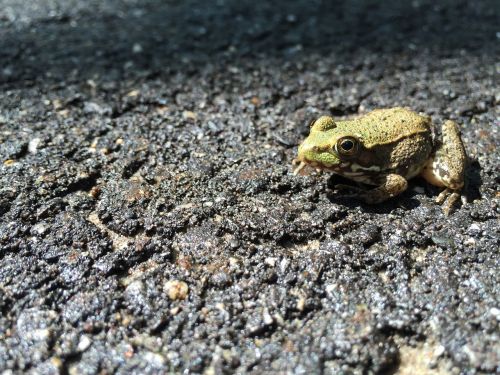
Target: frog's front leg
[(390, 186), (446, 168)]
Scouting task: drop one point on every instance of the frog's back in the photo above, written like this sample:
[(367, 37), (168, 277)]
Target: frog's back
[(385, 126)]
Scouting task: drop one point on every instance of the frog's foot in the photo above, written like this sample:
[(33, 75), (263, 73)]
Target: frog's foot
[(392, 185), (447, 199), (447, 167)]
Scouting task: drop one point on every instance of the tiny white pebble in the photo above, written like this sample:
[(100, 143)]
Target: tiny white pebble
[(469, 242), (330, 288), (268, 319), (495, 312), (84, 343), (137, 48), (40, 228), (33, 145), (474, 228), (154, 358), (270, 261), (176, 290), (439, 351)]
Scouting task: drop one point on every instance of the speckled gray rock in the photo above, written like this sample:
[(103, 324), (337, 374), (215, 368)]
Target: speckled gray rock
[(149, 219)]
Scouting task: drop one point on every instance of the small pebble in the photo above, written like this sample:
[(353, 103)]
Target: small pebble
[(137, 48), (189, 115), (176, 290), (33, 145), (84, 343)]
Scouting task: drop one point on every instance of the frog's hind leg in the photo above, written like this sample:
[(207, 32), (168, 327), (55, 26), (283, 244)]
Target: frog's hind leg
[(446, 168)]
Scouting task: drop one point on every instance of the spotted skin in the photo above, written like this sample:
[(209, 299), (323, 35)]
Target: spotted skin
[(386, 148), (446, 167)]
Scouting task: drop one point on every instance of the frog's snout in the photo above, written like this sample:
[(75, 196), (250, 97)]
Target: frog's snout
[(308, 151), (316, 155)]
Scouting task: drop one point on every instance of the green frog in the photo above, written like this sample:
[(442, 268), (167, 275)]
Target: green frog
[(386, 148)]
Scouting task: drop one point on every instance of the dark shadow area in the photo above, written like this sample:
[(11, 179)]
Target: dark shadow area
[(473, 181), (158, 37), (406, 200)]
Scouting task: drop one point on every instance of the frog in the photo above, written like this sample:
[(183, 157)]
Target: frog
[(385, 148)]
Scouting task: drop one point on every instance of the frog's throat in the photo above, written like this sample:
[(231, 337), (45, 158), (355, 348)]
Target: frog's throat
[(349, 168)]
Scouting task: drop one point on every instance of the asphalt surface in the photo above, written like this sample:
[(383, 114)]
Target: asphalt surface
[(150, 221)]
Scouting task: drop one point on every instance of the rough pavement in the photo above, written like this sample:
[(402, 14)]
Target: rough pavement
[(150, 221)]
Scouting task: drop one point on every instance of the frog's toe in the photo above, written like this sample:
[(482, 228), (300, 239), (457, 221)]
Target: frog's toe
[(442, 196), (463, 198), (447, 199)]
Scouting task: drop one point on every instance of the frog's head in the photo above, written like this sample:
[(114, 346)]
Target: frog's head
[(327, 146)]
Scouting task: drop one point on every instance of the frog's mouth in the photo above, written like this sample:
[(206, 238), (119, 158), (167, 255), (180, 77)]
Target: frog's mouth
[(300, 163), (319, 157)]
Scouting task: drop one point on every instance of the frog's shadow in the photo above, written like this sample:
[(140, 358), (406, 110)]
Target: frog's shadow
[(407, 199), (473, 180)]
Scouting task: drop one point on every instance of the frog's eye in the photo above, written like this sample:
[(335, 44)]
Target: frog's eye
[(347, 146)]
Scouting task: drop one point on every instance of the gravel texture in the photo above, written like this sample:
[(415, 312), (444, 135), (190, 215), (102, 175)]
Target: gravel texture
[(150, 221)]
